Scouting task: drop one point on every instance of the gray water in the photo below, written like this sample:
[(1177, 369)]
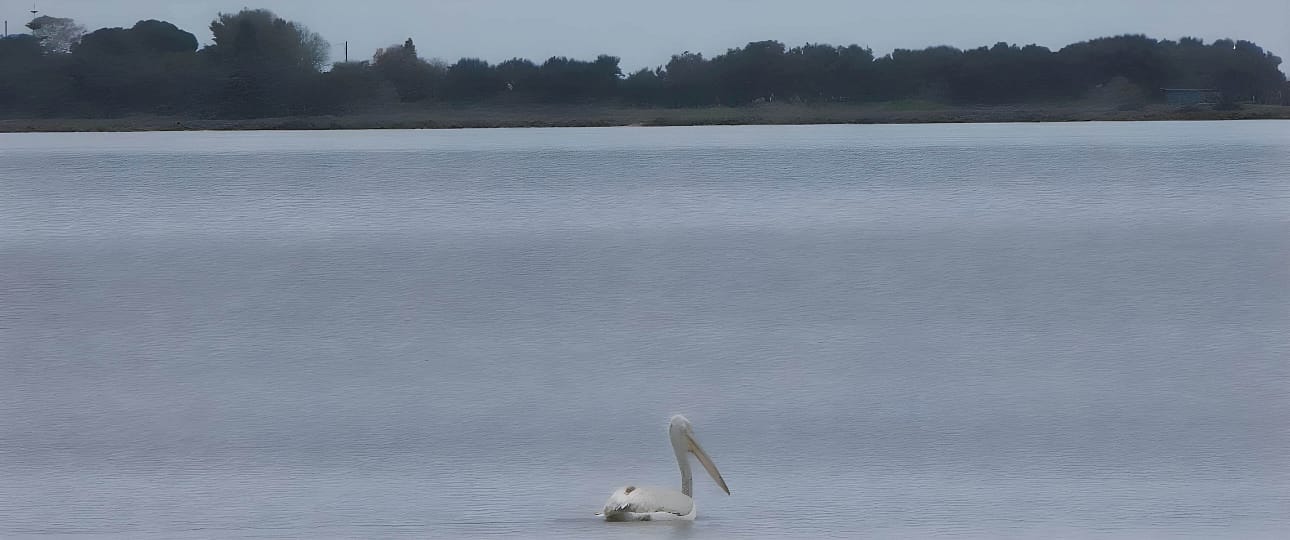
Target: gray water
[(986, 331)]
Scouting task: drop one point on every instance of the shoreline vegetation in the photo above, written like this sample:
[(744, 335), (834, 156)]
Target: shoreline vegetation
[(262, 72), (470, 117)]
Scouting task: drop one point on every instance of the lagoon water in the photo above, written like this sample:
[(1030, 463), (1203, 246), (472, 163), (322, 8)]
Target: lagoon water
[(961, 331)]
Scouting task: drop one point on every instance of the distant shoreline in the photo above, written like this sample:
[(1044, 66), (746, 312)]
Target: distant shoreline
[(515, 116)]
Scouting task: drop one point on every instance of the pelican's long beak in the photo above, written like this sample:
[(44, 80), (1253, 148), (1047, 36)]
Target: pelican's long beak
[(707, 463)]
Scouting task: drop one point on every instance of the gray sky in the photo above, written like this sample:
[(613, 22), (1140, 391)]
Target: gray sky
[(647, 33)]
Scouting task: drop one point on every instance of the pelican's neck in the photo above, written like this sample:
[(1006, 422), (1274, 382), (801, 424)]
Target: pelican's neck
[(681, 449)]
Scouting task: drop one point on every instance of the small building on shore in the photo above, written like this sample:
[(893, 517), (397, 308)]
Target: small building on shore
[(1191, 96)]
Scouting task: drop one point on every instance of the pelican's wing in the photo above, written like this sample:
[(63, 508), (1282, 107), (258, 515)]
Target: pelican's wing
[(646, 500)]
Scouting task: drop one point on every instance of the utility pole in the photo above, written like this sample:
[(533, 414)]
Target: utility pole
[(34, 11), (346, 52)]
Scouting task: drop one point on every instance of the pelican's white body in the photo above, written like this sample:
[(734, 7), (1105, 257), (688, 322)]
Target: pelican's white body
[(631, 503)]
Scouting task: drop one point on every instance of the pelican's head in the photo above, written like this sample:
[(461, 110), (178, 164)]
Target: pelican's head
[(683, 441)]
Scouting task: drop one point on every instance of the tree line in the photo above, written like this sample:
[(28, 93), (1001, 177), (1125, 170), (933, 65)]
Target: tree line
[(259, 64)]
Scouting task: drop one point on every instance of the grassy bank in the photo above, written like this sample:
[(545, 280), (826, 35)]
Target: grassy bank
[(420, 117)]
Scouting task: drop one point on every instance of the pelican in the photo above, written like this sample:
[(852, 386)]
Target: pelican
[(633, 503)]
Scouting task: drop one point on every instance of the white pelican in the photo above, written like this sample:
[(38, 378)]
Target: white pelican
[(633, 503)]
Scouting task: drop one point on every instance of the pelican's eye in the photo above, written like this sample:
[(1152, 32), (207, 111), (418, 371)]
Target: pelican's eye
[(628, 490)]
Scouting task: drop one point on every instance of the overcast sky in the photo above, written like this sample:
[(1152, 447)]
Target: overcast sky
[(647, 33)]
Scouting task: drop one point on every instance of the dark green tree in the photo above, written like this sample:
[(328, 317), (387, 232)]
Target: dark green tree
[(758, 71), (518, 75), (413, 78), (562, 79), (149, 67), (258, 36), (645, 87), (33, 82), (348, 87), (472, 79), (689, 81), (269, 63)]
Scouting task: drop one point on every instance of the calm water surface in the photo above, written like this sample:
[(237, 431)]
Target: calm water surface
[(986, 331)]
